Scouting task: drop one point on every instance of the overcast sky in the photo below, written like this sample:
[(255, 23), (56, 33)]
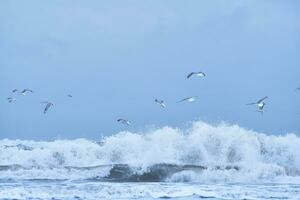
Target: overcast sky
[(116, 57)]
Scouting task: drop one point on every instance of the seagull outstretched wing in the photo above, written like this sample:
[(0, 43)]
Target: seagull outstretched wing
[(189, 76), (196, 73), (258, 102), (124, 121), (27, 90), (190, 99), (49, 104), (261, 100), (46, 108)]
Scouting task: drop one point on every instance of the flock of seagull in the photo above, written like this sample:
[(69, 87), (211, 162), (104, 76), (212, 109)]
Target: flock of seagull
[(260, 104), (25, 92)]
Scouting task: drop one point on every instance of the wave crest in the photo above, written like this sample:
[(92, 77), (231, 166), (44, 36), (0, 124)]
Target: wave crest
[(223, 153)]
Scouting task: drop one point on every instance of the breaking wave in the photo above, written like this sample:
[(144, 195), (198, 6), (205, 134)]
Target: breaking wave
[(203, 153)]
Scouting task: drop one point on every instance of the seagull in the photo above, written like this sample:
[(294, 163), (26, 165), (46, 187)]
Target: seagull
[(11, 99), (15, 90), (24, 92), (200, 74), (298, 88), (124, 121), (160, 102), (260, 104), (189, 99), (69, 95), (49, 104)]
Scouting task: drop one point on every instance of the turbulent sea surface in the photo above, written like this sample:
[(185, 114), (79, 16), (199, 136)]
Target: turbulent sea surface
[(205, 162)]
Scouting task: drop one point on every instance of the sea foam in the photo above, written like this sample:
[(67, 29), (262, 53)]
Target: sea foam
[(202, 153)]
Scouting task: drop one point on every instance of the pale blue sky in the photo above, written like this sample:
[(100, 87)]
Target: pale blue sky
[(116, 57)]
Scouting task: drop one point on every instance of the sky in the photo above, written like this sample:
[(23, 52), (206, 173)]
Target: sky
[(115, 57)]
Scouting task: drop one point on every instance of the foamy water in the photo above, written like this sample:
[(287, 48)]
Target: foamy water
[(192, 163)]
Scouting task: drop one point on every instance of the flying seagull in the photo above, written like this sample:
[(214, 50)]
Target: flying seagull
[(298, 88), (15, 90), (260, 104), (200, 74), (160, 102), (11, 99), (25, 91), (69, 95), (189, 99), (124, 121), (48, 105)]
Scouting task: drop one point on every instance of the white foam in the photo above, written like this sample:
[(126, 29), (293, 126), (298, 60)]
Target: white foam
[(258, 156)]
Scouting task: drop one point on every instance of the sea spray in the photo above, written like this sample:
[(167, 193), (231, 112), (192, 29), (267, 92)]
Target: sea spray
[(203, 153)]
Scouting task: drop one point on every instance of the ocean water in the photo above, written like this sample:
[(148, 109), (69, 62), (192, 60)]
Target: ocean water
[(204, 162)]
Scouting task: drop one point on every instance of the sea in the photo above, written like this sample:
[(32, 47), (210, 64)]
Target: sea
[(204, 161)]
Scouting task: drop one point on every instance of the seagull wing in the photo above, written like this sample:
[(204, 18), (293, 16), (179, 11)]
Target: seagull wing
[(124, 121), (47, 107), (182, 100), (185, 99), (261, 100), (27, 90), (201, 74), (189, 76)]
